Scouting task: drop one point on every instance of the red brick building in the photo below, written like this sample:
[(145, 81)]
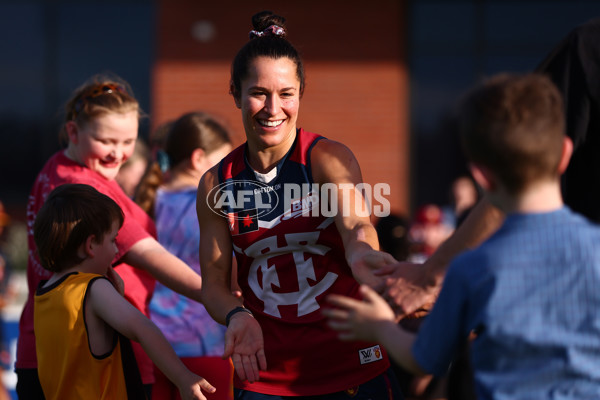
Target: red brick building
[(355, 60)]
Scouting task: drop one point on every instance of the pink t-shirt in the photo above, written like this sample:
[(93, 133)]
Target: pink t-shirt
[(139, 285)]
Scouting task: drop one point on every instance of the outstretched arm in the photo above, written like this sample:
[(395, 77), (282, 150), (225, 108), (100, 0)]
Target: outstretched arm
[(333, 163), (372, 320), (409, 286), (151, 256), (106, 303), (243, 338)]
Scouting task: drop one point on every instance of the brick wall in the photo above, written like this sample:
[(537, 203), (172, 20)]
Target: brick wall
[(354, 54)]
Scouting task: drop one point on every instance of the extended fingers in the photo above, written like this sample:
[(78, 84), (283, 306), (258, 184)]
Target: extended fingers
[(370, 295), (204, 384), (338, 321), (335, 313), (250, 368), (343, 301), (339, 324), (262, 359), (247, 366), (239, 367)]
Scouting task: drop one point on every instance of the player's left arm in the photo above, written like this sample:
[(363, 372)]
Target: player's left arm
[(333, 163)]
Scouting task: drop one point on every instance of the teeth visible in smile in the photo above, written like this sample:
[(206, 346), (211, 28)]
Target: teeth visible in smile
[(270, 124)]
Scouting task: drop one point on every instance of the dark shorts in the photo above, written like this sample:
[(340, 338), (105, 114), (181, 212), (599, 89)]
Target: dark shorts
[(28, 384), (382, 387)]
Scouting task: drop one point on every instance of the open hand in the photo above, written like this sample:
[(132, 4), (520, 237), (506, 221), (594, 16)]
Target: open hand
[(358, 320), (245, 345), (193, 386)]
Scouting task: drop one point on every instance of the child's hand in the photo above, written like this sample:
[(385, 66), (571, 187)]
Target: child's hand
[(358, 320), (190, 389)]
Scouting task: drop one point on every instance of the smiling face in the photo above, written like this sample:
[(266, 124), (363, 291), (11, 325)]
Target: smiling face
[(104, 143), (269, 101)]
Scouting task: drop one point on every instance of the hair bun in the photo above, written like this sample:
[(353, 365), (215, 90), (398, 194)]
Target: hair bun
[(264, 19)]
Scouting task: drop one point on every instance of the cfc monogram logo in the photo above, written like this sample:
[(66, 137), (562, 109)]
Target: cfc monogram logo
[(297, 244)]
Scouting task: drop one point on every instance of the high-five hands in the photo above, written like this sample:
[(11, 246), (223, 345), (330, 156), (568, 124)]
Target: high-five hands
[(407, 287)]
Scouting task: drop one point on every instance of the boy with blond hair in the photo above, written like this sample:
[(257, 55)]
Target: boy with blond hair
[(529, 294), (81, 322)]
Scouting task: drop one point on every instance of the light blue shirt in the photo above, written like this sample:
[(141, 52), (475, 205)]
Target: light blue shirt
[(532, 293)]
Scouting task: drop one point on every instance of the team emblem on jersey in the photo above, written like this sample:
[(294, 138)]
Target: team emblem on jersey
[(243, 222), (265, 282)]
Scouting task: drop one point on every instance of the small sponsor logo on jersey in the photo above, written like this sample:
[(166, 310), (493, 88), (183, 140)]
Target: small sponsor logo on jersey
[(243, 222), (370, 354), (301, 207)]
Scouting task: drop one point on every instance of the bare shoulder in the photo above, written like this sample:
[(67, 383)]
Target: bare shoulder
[(207, 183), (206, 202), (327, 149), (103, 298), (331, 160), (100, 289), (209, 180)]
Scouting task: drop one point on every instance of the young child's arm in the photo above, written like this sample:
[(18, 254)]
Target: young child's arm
[(372, 320), (117, 312)]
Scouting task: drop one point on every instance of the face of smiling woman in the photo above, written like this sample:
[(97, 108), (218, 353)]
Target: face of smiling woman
[(269, 101), (105, 143)]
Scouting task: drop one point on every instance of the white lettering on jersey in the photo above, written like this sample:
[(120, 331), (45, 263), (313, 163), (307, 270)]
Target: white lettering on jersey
[(299, 245)]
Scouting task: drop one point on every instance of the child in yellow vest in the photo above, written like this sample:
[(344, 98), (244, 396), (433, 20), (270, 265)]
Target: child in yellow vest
[(82, 323)]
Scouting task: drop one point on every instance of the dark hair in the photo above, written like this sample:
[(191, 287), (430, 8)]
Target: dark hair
[(514, 125), (191, 131), (99, 95), (268, 45), (70, 215)]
